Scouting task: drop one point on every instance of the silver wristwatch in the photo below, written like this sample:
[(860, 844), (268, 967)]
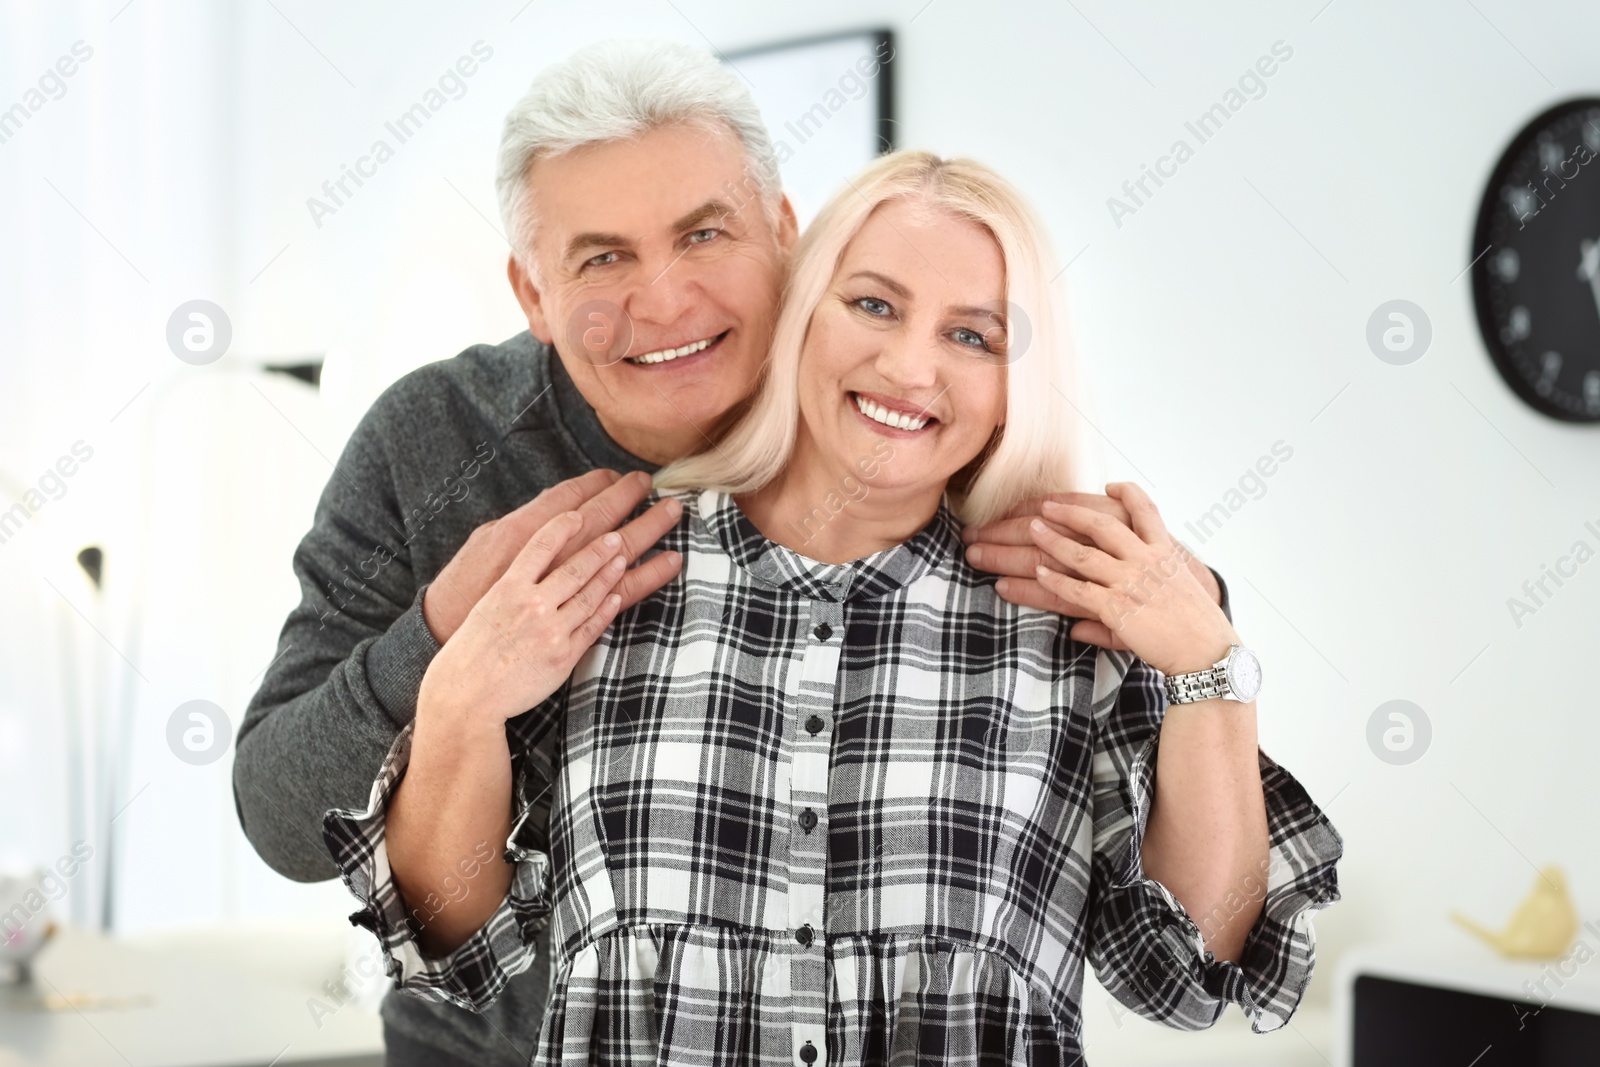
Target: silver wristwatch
[(1236, 676)]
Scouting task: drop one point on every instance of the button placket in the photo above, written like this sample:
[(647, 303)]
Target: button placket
[(811, 738)]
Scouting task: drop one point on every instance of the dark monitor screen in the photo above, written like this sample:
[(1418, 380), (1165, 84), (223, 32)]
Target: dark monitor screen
[(1399, 1024)]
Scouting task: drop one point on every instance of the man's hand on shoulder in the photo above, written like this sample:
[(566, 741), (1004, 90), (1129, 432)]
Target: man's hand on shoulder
[(602, 497), (1005, 547)]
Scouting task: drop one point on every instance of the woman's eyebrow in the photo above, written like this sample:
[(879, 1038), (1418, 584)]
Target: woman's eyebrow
[(884, 280), (967, 310)]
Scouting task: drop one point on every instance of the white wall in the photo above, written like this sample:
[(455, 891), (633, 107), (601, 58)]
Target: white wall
[(1221, 317)]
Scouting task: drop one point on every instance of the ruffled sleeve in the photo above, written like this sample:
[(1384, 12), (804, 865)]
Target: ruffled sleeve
[(1145, 947), (474, 975)]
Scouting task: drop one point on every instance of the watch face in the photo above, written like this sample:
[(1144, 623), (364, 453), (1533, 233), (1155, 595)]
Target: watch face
[(1244, 675)]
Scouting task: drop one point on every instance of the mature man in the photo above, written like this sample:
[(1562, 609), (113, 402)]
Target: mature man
[(651, 236)]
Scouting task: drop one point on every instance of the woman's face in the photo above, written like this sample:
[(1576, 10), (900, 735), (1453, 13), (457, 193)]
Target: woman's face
[(903, 372)]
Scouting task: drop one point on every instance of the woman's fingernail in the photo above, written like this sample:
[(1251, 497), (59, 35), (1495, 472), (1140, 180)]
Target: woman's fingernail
[(612, 539), (975, 554), (1038, 525)]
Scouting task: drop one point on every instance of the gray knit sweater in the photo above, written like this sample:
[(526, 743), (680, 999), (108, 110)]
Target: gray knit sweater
[(446, 448)]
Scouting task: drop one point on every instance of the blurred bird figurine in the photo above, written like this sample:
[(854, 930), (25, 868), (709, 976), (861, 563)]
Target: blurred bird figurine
[(1543, 925)]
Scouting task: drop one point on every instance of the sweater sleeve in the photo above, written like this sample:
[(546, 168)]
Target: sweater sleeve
[(350, 660)]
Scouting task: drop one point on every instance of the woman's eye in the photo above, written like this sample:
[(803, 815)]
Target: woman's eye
[(700, 237), (873, 306), (970, 338)]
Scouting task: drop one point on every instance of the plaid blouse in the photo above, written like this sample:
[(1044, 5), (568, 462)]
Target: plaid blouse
[(788, 812)]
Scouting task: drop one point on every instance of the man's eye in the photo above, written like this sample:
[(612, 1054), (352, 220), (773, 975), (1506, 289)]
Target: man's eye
[(700, 237), (604, 259), (873, 306)]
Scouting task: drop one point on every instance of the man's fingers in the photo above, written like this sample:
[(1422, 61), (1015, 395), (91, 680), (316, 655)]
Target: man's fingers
[(647, 577), (1030, 594), (642, 533), (1014, 560), (1086, 627), (523, 522), (1014, 532), (1099, 501), (1095, 632), (607, 508)]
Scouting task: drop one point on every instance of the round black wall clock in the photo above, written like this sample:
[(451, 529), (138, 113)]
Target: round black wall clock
[(1536, 281)]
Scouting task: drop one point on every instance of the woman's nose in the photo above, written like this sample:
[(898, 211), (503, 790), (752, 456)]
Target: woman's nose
[(909, 362)]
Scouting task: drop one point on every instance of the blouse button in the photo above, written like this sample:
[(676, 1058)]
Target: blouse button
[(808, 1053), (808, 820), (803, 935), (814, 725), (823, 632)]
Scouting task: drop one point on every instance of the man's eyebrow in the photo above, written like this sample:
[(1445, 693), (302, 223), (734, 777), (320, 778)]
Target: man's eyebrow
[(592, 239), (711, 209), (595, 239)]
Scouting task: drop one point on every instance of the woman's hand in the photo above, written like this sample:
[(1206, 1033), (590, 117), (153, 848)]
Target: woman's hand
[(525, 635), (1136, 582), (1006, 547)]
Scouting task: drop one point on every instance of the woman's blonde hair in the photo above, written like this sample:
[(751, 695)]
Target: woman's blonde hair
[(1031, 453)]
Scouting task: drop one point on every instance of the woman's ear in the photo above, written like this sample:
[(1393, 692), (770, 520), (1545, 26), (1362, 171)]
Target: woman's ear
[(531, 300)]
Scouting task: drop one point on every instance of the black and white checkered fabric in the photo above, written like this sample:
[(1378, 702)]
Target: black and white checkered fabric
[(806, 813)]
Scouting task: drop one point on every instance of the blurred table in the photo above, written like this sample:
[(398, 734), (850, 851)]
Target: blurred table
[(1114, 1036), (221, 1002)]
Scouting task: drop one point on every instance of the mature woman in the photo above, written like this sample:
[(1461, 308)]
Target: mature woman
[(826, 797)]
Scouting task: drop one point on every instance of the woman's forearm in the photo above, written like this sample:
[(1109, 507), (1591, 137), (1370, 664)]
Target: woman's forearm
[(447, 824), (1207, 836)]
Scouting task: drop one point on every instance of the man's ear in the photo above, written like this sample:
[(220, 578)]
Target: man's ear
[(530, 298), (788, 227)]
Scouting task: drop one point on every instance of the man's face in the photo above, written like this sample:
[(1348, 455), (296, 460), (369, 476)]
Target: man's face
[(648, 248)]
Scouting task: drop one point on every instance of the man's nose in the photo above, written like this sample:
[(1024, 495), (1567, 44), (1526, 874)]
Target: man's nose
[(664, 294)]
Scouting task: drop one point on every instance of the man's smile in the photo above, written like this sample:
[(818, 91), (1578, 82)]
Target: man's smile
[(668, 355)]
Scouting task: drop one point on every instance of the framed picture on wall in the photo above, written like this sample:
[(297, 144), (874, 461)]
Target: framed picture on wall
[(828, 103)]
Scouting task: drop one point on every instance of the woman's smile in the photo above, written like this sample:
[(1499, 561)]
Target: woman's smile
[(891, 417)]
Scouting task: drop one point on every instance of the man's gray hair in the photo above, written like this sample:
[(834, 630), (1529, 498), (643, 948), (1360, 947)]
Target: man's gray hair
[(613, 90)]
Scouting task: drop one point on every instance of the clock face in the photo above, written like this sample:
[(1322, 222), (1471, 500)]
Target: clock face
[(1537, 282)]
